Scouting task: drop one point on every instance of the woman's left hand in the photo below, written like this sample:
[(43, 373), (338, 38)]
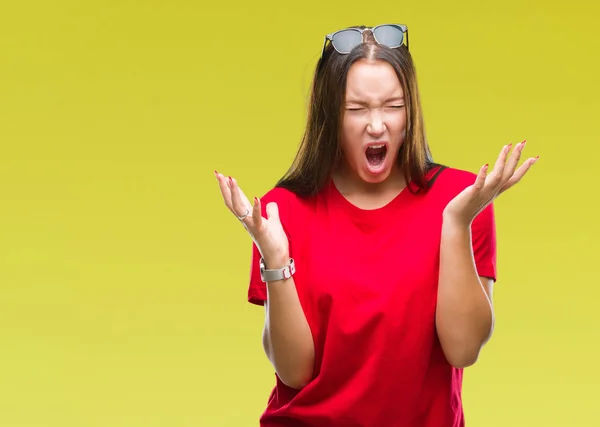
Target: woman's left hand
[(475, 198)]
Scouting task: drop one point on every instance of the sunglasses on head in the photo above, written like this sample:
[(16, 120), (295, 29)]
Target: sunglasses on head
[(390, 35)]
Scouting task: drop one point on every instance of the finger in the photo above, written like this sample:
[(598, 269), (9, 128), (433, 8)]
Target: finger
[(243, 197), (520, 173), (225, 190), (239, 207), (480, 179), (497, 172), (257, 214), (513, 162)]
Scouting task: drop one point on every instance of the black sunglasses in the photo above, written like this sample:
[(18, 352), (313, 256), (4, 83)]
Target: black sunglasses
[(390, 35)]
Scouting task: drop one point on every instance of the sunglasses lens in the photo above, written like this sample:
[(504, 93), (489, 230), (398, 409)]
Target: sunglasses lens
[(389, 35), (346, 40)]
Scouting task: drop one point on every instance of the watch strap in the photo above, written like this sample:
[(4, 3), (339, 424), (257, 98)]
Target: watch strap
[(271, 275)]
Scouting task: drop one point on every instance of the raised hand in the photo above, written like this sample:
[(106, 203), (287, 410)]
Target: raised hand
[(473, 199), (267, 233)]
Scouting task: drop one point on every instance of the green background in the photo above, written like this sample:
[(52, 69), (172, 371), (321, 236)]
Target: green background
[(123, 277)]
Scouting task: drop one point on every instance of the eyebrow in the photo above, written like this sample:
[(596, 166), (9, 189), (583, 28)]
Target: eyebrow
[(357, 101)]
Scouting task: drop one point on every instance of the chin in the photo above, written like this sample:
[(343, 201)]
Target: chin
[(375, 178)]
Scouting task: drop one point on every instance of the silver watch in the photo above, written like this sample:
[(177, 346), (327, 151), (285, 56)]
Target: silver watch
[(278, 273)]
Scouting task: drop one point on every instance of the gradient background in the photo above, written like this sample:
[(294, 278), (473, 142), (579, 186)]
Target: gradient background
[(123, 277)]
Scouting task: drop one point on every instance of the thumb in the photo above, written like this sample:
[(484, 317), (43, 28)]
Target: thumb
[(272, 211)]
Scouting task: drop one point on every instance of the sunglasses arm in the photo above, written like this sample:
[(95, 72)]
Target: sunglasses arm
[(327, 37)]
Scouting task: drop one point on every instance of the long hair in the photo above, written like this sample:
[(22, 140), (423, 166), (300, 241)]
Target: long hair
[(320, 150)]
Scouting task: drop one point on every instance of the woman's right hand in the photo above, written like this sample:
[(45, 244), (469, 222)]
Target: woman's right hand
[(267, 233)]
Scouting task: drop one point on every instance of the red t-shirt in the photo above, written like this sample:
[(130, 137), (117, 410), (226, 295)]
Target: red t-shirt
[(367, 282)]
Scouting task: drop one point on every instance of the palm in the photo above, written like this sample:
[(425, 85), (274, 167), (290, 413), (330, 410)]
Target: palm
[(272, 237), (267, 233), (473, 199)]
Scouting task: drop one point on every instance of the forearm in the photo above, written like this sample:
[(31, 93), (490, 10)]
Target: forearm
[(464, 315), (287, 337)]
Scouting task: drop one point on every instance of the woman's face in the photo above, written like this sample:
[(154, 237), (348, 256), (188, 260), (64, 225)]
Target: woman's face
[(374, 120)]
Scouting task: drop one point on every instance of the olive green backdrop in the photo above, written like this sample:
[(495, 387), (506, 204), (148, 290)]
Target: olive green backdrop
[(123, 277)]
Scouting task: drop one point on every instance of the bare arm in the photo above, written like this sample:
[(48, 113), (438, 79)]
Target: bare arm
[(464, 316), (287, 338)]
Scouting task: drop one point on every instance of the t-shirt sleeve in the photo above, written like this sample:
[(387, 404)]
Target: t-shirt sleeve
[(483, 234), (257, 290)]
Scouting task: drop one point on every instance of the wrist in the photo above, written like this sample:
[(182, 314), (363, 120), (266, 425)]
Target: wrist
[(452, 223), (276, 261), (453, 220)]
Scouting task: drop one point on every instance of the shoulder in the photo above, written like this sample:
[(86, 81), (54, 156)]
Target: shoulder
[(281, 196), (455, 176), (451, 180), (291, 208), (287, 203)]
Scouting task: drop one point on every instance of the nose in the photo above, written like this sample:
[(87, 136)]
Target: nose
[(376, 126)]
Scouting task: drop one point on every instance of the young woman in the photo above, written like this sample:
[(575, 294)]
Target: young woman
[(374, 264)]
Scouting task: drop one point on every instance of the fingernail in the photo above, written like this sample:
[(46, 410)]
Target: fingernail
[(256, 200), (216, 173)]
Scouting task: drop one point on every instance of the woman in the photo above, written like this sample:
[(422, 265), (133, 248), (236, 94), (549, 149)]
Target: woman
[(374, 264)]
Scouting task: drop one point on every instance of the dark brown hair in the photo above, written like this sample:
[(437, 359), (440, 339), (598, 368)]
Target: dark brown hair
[(320, 150)]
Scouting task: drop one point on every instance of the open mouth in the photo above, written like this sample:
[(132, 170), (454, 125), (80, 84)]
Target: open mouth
[(376, 155)]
